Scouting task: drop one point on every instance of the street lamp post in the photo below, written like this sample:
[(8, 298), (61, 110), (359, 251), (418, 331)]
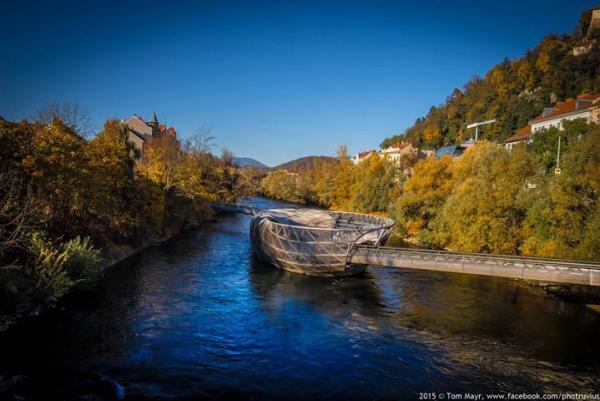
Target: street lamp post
[(479, 124), (557, 169)]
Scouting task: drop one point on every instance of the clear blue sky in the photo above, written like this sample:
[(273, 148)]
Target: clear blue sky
[(273, 80)]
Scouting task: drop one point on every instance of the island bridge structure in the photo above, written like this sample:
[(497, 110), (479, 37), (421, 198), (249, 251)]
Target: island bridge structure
[(341, 244)]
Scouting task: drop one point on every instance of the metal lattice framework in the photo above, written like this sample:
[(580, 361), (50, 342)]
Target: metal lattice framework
[(315, 242)]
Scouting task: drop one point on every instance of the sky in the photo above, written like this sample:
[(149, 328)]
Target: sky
[(272, 80)]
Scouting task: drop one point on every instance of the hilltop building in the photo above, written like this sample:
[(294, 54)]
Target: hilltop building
[(139, 131), (594, 23), (589, 41), (584, 106)]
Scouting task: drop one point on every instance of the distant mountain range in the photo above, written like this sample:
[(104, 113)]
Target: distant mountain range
[(248, 162), (293, 166), (302, 164)]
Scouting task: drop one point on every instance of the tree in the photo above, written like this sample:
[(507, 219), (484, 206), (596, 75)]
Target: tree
[(422, 198), (112, 192), (73, 116), (59, 176), (374, 185), (483, 212), (202, 141), (161, 160), (343, 180), (563, 219), (282, 185), (19, 216)]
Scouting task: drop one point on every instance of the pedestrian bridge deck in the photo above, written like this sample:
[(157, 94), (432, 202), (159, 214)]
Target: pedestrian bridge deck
[(527, 268)]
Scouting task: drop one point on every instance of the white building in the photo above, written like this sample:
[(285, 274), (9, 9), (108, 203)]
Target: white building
[(571, 109), (586, 107), (362, 156), (396, 152)]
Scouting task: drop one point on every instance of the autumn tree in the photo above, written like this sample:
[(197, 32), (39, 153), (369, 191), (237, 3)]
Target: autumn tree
[(562, 220), (161, 159), (374, 185), (112, 193), (343, 180), (483, 212), (422, 198), (71, 114), (58, 166)]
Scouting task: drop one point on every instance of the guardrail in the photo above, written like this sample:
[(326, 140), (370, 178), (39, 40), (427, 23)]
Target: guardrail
[(523, 267)]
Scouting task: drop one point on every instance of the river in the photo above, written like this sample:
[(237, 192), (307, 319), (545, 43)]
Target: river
[(200, 317)]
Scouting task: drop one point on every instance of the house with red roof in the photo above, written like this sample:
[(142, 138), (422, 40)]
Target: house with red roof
[(399, 150), (362, 156), (585, 106)]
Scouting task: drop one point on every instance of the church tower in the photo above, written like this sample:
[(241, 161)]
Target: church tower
[(153, 123)]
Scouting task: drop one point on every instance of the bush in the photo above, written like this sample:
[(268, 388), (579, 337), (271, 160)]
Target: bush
[(83, 262), (58, 268)]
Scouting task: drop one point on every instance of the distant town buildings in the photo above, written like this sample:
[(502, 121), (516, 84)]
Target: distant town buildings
[(362, 156), (402, 154), (139, 131), (585, 106), (397, 152)]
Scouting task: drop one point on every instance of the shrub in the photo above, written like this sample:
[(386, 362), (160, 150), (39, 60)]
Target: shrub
[(49, 272), (83, 262), (58, 268)]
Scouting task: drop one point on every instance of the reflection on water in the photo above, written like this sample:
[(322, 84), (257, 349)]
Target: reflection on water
[(201, 317)]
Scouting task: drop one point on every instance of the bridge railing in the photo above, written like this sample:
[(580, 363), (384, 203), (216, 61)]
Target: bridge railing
[(471, 256)]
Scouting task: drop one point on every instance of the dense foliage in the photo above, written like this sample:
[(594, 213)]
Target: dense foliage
[(488, 200), (513, 92), (303, 163), (63, 198), (492, 200), (337, 183)]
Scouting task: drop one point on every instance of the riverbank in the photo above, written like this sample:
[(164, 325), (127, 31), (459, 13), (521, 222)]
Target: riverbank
[(112, 254)]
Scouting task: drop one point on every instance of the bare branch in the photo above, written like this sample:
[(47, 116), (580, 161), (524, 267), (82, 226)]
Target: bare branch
[(69, 113), (202, 142), (18, 212)]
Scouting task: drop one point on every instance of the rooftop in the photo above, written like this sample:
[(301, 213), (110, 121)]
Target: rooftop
[(520, 135), (571, 105)]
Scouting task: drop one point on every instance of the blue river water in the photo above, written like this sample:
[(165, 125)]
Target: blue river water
[(199, 317)]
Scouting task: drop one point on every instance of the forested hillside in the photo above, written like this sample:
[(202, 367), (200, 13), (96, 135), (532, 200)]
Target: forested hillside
[(303, 163), (513, 92)]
